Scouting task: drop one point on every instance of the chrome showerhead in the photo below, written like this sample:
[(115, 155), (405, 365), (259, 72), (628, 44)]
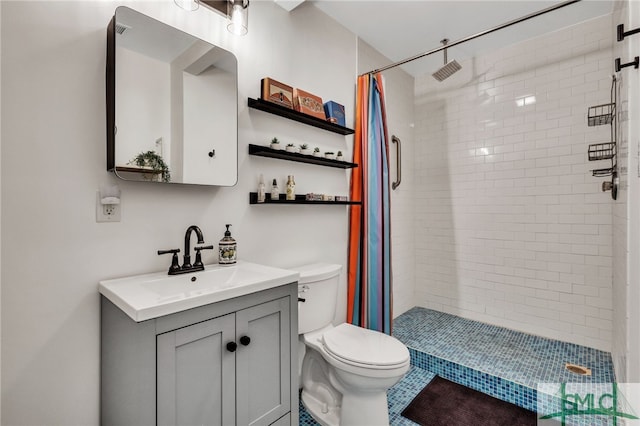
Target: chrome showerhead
[(449, 68)]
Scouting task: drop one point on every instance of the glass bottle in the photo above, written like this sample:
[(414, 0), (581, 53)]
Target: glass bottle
[(275, 191), (261, 190), (291, 188)]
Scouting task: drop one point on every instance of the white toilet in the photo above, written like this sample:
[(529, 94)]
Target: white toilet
[(346, 369)]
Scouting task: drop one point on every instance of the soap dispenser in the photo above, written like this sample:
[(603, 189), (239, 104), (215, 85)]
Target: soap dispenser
[(227, 253)]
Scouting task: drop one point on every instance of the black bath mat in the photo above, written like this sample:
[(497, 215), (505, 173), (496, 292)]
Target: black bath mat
[(444, 403)]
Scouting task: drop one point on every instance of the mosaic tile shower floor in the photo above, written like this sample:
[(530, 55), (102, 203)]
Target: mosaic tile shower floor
[(521, 358), (498, 361)]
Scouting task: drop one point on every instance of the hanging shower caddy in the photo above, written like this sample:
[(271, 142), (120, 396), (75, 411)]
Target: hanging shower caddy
[(600, 115)]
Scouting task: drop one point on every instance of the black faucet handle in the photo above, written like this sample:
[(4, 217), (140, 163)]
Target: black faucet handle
[(174, 251), (198, 262), (175, 264)]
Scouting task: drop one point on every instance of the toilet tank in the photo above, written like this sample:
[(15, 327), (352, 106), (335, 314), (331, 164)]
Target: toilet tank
[(318, 286)]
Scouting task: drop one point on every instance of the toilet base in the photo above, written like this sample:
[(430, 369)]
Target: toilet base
[(326, 416), (355, 410), (369, 409), (327, 399)]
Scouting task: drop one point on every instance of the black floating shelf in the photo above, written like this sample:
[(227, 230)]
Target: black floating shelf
[(265, 151), (291, 114), (300, 199)]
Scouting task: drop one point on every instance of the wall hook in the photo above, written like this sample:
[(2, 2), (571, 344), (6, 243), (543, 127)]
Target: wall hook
[(622, 34), (635, 63)]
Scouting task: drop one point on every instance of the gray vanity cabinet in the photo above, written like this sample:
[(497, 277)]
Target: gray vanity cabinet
[(228, 363), (263, 371), (201, 368), (196, 380)]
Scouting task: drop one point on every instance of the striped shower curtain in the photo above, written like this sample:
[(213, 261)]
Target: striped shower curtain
[(369, 269)]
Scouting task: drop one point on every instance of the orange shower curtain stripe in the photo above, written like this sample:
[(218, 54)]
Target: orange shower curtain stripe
[(355, 192)]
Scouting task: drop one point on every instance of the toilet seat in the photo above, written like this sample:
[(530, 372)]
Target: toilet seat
[(364, 348)]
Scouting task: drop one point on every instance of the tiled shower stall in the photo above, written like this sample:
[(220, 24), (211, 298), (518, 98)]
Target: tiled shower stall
[(511, 228), (509, 225)]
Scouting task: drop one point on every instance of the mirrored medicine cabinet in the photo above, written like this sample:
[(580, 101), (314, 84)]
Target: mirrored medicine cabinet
[(172, 104)]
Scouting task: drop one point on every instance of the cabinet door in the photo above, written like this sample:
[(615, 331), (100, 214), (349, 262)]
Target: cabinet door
[(263, 366), (195, 374)]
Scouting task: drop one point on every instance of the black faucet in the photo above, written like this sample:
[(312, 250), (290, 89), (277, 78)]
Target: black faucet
[(187, 245), (186, 267)]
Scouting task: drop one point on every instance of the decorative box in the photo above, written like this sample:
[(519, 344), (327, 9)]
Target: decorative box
[(307, 103), (313, 197), (334, 112), (276, 92)]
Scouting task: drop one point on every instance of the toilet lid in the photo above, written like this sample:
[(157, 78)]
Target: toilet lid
[(362, 346)]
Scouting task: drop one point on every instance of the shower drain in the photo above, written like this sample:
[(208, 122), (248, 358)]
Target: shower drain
[(578, 369)]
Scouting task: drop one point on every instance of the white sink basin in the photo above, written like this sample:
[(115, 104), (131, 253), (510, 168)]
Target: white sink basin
[(148, 296)]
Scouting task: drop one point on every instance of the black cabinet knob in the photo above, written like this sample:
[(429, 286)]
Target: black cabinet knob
[(232, 346), (245, 340)]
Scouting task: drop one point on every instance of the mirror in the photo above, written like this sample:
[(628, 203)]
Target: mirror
[(172, 104)]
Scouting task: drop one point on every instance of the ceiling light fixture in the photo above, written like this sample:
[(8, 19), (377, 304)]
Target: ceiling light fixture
[(238, 13)]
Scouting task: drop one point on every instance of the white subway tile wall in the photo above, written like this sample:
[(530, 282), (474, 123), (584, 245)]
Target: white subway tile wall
[(619, 345), (511, 228)]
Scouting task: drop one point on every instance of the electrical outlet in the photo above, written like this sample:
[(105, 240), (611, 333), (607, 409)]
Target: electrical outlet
[(106, 212)]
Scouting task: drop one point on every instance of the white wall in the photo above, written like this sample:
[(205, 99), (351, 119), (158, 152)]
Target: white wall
[(633, 300), (512, 229), (146, 114), (0, 218), (207, 126), (626, 277), (398, 87), (53, 161), (620, 217)]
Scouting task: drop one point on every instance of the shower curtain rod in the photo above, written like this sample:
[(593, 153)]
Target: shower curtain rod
[(465, 39)]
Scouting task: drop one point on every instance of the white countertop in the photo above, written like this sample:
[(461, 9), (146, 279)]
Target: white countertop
[(148, 296)]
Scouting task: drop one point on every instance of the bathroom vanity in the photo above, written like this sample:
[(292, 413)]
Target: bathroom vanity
[(219, 349)]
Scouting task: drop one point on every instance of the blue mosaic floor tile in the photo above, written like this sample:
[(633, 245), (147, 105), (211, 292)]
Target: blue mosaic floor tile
[(511, 355), (305, 417), (400, 395)]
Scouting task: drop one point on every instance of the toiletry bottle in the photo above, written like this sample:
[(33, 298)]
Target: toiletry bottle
[(291, 188), (227, 249), (275, 191), (261, 190)]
